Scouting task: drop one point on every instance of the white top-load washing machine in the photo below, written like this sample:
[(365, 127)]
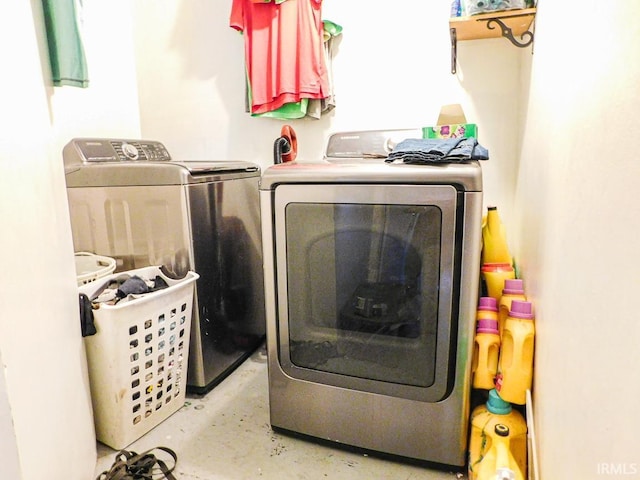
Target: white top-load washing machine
[(371, 284), (130, 200)]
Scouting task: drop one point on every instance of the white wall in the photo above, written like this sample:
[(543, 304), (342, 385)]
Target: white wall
[(10, 465), (391, 70), (577, 233), (44, 378)]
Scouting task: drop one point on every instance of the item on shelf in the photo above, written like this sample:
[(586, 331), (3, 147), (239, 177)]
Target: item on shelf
[(513, 290), (456, 8), (474, 7), (491, 450), (515, 367)]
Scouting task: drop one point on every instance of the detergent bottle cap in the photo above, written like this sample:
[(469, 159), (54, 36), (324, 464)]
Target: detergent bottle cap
[(513, 286), (520, 309), (488, 303), (497, 405), (497, 267), (487, 325)]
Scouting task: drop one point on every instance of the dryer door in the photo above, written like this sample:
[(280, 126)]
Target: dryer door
[(366, 282)]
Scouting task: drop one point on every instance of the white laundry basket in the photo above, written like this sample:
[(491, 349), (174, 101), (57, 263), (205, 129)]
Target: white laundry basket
[(138, 358), (90, 267)]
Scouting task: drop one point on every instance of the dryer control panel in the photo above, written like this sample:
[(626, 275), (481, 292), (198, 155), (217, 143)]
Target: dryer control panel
[(99, 150)]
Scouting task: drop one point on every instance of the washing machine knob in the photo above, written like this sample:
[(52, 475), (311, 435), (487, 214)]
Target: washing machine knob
[(130, 151)]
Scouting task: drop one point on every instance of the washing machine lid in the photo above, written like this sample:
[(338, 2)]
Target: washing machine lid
[(196, 167), (103, 162)]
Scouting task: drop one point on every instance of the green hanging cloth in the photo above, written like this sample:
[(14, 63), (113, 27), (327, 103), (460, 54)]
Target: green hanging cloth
[(66, 53)]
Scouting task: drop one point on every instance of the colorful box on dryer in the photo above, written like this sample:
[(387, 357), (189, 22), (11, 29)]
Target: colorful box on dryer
[(455, 130)]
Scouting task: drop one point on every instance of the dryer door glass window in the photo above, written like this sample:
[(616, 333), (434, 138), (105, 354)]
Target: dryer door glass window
[(368, 286)]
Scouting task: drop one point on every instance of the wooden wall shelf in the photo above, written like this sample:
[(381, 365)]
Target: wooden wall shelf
[(509, 24)]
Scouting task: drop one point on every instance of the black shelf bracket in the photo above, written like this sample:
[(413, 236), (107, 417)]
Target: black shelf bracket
[(454, 50), (508, 33), (526, 38)]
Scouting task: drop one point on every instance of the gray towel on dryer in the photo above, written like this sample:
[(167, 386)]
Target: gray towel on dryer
[(437, 150)]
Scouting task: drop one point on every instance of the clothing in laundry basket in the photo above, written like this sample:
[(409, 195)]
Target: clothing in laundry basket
[(126, 287), (123, 288), (437, 150)]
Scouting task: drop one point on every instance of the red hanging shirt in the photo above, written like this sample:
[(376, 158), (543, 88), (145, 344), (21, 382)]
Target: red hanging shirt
[(283, 51)]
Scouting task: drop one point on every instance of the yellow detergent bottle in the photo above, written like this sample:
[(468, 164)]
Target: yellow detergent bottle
[(494, 276), (483, 451), (494, 240), (486, 345), (515, 367), (487, 309), (513, 290), (500, 464)]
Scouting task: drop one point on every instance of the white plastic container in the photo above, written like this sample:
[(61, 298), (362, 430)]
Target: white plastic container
[(138, 358), (90, 267)]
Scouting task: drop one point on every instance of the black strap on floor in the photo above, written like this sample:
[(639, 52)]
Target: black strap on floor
[(140, 466)]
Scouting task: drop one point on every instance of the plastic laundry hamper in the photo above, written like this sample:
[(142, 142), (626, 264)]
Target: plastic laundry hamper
[(90, 267), (138, 358)]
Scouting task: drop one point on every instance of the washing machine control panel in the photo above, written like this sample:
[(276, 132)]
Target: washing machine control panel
[(366, 145), (111, 150)]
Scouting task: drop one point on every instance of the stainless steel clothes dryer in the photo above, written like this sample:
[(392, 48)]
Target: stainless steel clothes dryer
[(371, 283), (129, 200)]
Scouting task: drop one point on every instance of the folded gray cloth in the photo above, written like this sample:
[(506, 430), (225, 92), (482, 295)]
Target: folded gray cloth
[(127, 287), (437, 150), (131, 286)]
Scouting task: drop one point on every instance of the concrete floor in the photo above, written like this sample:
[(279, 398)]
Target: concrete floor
[(225, 435)]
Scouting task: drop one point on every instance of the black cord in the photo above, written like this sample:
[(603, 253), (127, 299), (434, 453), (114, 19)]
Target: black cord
[(280, 147), (130, 465)]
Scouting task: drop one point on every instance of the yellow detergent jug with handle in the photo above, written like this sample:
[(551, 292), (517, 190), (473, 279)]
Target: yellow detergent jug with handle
[(513, 290), (486, 345), (515, 367), (485, 444), (500, 464), (494, 239)]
